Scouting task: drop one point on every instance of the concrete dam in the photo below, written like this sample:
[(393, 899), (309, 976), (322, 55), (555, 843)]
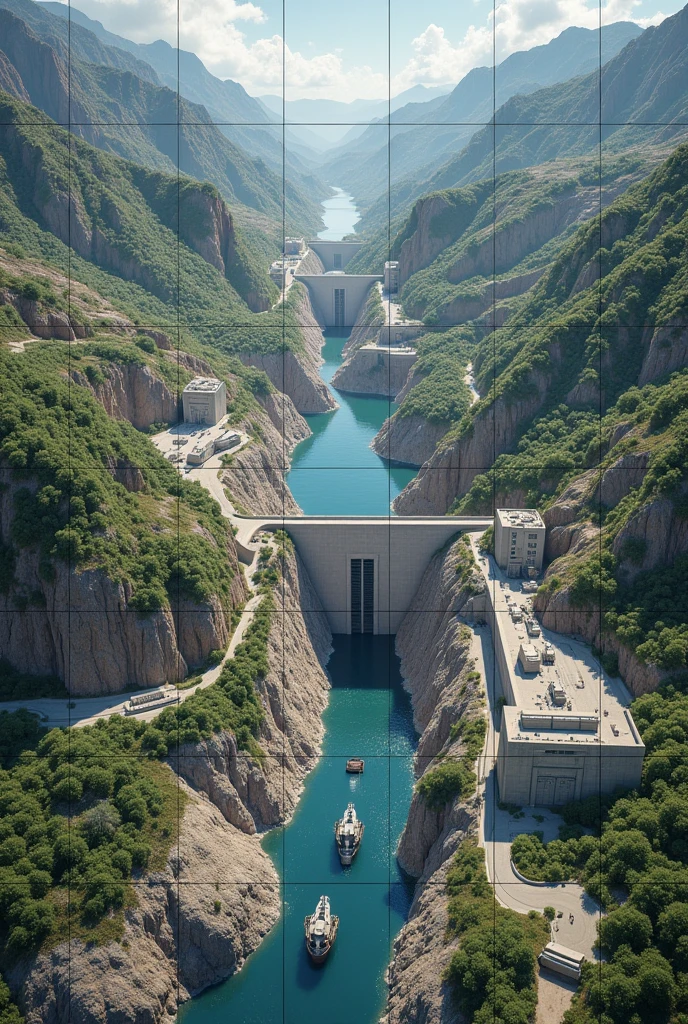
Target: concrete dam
[(337, 297), (365, 570)]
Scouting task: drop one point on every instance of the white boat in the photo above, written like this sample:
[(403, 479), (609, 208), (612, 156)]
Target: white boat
[(320, 929), (348, 832)]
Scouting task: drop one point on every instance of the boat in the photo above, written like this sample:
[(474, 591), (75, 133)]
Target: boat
[(320, 929), (355, 765), (348, 832)]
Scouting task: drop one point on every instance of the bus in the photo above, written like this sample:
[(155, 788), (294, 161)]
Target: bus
[(561, 960)]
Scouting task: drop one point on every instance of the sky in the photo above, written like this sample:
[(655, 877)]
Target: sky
[(357, 49)]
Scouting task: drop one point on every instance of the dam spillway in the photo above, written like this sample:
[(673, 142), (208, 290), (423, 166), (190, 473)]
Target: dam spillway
[(365, 569)]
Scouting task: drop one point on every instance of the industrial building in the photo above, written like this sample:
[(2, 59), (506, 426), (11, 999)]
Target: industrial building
[(391, 278), (566, 731), (204, 400), (519, 541)]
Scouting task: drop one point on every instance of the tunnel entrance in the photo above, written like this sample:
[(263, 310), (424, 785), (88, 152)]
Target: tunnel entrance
[(362, 584)]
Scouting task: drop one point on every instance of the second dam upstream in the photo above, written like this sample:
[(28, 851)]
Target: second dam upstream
[(334, 472)]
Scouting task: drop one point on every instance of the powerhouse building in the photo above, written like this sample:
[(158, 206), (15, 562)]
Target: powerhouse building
[(566, 731), (519, 540), (204, 400)]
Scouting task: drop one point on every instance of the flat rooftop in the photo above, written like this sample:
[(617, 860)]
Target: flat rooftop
[(590, 692), (207, 385), (520, 517)]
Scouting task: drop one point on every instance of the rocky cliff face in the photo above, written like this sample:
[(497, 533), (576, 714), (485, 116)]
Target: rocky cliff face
[(410, 440), (369, 371), (132, 392), (436, 656), (255, 478), (297, 375), (44, 323), (571, 535), (175, 942), (253, 796), (80, 627), (421, 248), (450, 471), (668, 351)]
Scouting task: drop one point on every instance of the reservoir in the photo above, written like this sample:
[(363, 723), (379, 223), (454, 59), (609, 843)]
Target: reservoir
[(340, 216), (368, 715), (335, 472)]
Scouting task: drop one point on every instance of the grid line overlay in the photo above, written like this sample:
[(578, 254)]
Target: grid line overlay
[(285, 610)]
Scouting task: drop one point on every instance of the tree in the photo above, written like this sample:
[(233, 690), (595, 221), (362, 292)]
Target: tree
[(671, 926), (626, 926), (100, 823)]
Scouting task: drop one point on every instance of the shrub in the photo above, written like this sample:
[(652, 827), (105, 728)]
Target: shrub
[(445, 782)]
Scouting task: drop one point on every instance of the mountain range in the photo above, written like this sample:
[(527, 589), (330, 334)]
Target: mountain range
[(121, 111), (424, 136)]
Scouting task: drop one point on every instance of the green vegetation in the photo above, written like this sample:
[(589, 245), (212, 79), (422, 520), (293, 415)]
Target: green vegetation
[(441, 395), (82, 812), (230, 703), (635, 863), (85, 811), (472, 732), (9, 1012), (467, 568), (446, 781), (16, 685), (149, 265), (456, 776), (493, 972), (69, 506)]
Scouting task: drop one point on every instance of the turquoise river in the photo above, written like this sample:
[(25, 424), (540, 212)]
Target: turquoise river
[(368, 714)]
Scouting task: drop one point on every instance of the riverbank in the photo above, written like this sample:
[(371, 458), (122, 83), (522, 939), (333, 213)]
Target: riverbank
[(438, 660)]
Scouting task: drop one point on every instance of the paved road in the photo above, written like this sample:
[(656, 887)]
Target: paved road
[(80, 711), (498, 828)]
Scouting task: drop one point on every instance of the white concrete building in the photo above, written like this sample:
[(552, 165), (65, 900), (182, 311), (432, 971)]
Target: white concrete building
[(294, 246), (566, 732), (204, 400), (519, 540)]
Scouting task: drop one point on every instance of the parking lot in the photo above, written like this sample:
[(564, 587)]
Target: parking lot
[(177, 442)]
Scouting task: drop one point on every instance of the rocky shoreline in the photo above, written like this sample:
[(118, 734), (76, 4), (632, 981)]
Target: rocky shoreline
[(195, 922), (408, 440), (436, 659)]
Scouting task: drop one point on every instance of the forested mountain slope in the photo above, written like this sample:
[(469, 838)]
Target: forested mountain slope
[(416, 150), (641, 98), (124, 114), (461, 250), (239, 116), (124, 218), (601, 334)]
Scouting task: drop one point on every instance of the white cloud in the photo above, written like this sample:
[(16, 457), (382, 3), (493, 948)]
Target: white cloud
[(518, 25)]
